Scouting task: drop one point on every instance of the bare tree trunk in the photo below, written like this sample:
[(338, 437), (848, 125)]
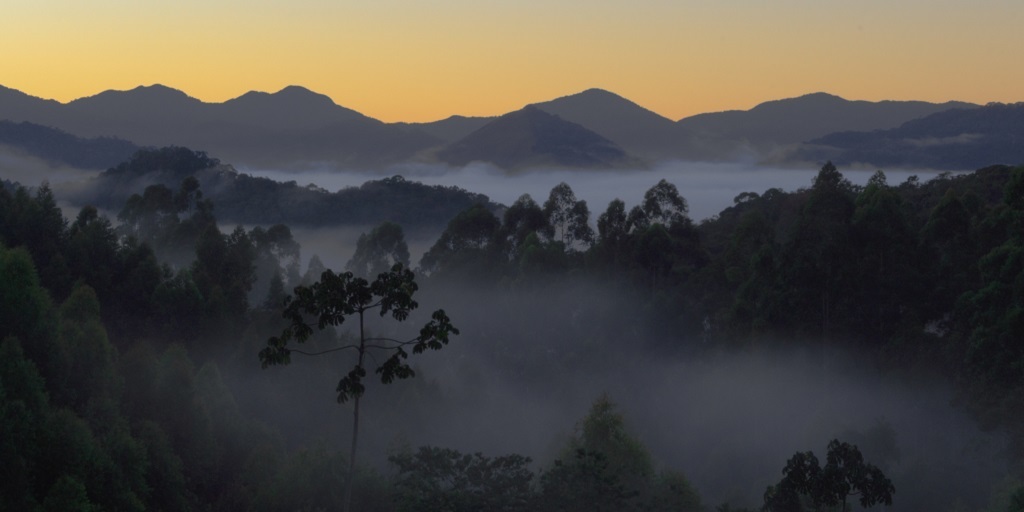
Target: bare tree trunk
[(347, 503)]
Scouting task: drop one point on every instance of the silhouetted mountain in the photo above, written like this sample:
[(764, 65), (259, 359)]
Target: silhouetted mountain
[(619, 120), (955, 139), (18, 106), (795, 120), (59, 147), (530, 138), (290, 108), (452, 128), (298, 128), (289, 127)]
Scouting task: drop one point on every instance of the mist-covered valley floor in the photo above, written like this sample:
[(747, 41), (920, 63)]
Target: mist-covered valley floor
[(528, 365), (730, 333)]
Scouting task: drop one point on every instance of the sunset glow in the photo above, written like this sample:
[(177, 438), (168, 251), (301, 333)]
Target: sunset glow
[(399, 60)]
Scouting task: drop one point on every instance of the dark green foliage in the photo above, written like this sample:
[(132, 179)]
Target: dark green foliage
[(175, 161), (603, 467), (242, 198), (1016, 502), (440, 479), (378, 251), (35, 222), (844, 475), (663, 205), (338, 297), (100, 410), (671, 491), (308, 482), (23, 406), (25, 306), (224, 271), (85, 371), (583, 482), (277, 259), (467, 246), (603, 431), (569, 217), (68, 494), (816, 259), (523, 218), (613, 234)]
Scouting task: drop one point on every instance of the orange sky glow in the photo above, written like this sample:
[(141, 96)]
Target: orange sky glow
[(406, 60)]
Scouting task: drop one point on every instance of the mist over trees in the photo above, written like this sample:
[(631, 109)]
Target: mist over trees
[(130, 379), (244, 199)]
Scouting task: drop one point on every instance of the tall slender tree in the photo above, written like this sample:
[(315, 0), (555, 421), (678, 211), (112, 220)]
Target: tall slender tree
[(339, 297)]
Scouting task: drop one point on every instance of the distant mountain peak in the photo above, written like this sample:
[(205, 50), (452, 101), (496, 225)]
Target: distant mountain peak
[(291, 92), (298, 91), (532, 137), (615, 118), (292, 104), (821, 94), (595, 92), (814, 98), (155, 90), (530, 111), (591, 96), (145, 94)]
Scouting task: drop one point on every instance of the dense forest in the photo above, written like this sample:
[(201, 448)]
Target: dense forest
[(129, 376), (245, 199)]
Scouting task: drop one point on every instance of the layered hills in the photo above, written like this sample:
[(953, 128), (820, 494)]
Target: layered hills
[(297, 128), (532, 137), (955, 139)]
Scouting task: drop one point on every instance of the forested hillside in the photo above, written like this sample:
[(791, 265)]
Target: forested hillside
[(244, 199), (130, 380)]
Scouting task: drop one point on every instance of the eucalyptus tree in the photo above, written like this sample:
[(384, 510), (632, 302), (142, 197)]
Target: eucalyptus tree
[(379, 250), (523, 218), (467, 245), (568, 217), (844, 475)]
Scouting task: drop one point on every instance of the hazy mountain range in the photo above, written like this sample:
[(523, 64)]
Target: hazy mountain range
[(298, 128)]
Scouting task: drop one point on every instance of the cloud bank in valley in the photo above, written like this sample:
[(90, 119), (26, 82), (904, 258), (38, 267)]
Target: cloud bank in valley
[(708, 187)]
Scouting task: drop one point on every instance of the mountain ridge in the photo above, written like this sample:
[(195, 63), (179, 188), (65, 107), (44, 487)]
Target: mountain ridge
[(955, 139), (532, 137), (298, 128)]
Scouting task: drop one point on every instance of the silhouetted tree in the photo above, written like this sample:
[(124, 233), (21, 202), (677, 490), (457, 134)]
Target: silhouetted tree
[(338, 297), (466, 246), (379, 250), (521, 219), (568, 217), (845, 474), (444, 479)]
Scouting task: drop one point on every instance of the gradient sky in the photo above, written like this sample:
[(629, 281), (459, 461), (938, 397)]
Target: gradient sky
[(422, 60)]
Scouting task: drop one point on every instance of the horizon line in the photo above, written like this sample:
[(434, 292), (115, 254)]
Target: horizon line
[(335, 102)]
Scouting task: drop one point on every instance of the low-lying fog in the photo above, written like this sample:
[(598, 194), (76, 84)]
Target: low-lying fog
[(524, 370), (30, 171), (529, 363), (708, 187)]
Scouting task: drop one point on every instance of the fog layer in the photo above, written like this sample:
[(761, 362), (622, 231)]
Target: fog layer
[(708, 187), (530, 362)]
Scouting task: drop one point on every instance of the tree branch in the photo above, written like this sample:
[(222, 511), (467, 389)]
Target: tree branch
[(328, 351)]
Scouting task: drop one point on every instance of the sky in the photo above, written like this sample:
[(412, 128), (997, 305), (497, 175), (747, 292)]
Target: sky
[(416, 60)]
